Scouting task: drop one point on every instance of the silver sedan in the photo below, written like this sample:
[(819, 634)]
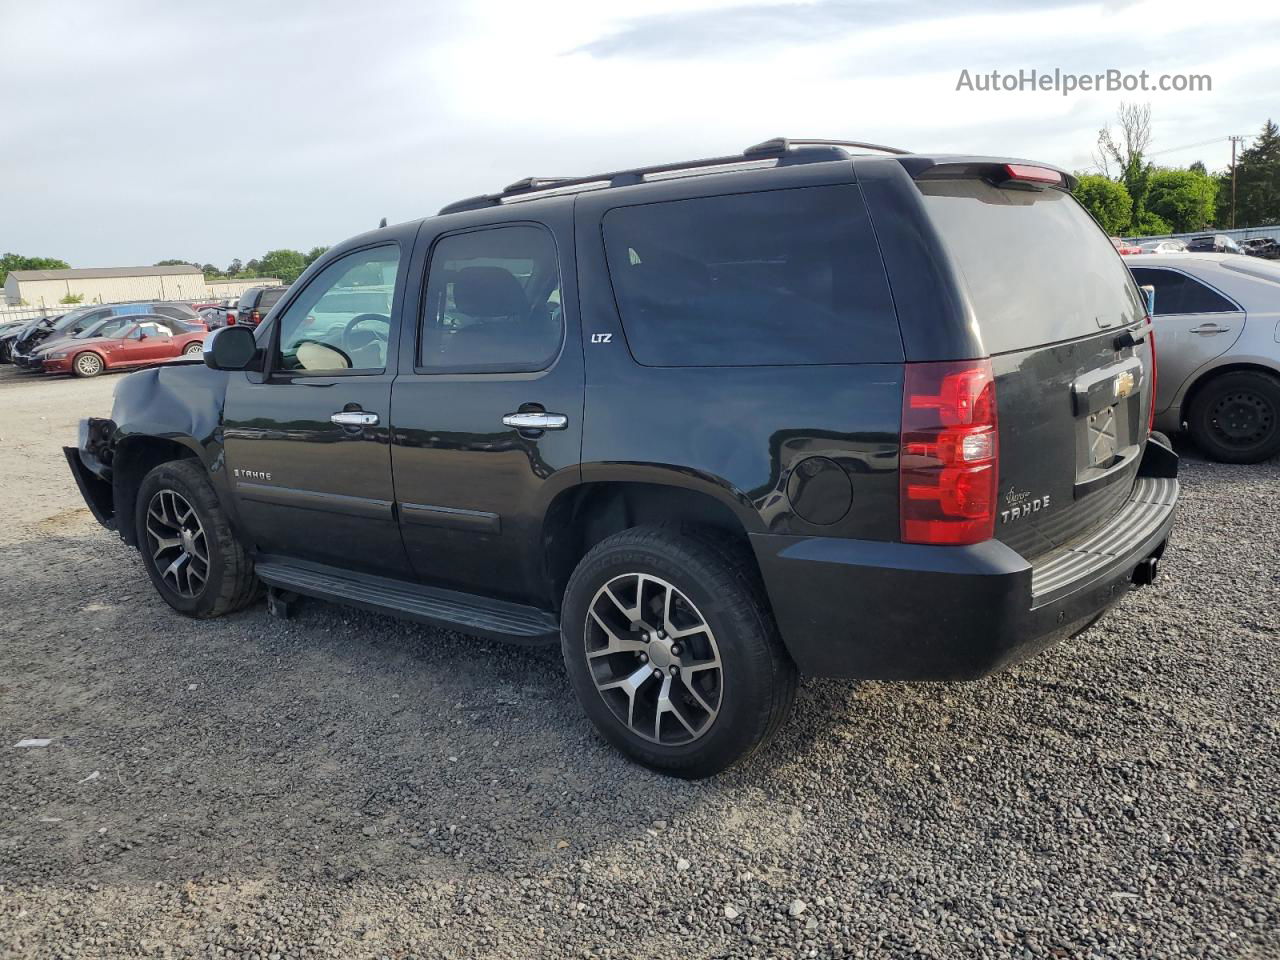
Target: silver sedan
[(1217, 333)]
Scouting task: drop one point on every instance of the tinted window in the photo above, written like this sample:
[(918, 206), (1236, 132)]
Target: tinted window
[(1178, 293), (316, 337), (493, 302), (1037, 267), (778, 277), (270, 297)]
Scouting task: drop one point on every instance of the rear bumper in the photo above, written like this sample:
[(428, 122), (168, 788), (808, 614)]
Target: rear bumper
[(894, 611)]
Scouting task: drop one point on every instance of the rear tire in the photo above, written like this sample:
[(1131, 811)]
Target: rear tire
[(1235, 417), (656, 698), (87, 365), (191, 554), (193, 349)]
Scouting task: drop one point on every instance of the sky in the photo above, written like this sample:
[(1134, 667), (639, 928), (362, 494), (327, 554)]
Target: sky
[(134, 131)]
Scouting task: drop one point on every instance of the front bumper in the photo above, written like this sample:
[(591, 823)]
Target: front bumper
[(895, 611), (60, 365), (91, 467)]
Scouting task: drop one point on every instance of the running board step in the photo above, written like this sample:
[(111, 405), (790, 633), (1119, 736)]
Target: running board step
[(465, 612)]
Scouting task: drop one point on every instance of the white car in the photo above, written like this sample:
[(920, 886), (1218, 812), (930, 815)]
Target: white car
[(1217, 334), (1163, 246)]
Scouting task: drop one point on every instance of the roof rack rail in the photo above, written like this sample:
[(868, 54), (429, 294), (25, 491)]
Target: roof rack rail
[(785, 150), (784, 144)]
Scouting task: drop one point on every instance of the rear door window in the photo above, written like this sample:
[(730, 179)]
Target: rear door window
[(776, 277), (1037, 267), (1178, 293), (492, 303)]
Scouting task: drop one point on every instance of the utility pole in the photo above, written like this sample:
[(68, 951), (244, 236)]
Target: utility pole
[(1234, 142)]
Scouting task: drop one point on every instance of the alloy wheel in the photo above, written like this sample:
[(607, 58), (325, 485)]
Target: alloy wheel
[(179, 548), (654, 659), (88, 364)]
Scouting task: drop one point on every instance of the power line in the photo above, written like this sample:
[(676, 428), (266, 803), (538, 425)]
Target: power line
[(1189, 146)]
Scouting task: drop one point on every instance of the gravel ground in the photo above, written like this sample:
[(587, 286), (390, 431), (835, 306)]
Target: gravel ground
[(345, 785)]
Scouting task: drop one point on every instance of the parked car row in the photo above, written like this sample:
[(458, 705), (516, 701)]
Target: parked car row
[(1265, 247), (88, 340)]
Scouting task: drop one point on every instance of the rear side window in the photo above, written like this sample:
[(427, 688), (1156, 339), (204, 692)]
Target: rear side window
[(270, 297), (777, 277), (1037, 267), (1178, 293)]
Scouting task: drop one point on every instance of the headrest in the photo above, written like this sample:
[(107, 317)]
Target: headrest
[(488, 292)]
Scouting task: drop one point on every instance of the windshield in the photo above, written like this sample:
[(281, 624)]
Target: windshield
[(110, 327)]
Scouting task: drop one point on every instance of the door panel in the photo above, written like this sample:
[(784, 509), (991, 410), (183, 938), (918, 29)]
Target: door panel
[(472, 490), (1194, 324), (307, 485)]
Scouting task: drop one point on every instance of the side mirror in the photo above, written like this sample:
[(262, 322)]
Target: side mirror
[(230, 348)]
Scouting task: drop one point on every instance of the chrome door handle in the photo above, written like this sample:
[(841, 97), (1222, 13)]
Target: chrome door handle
[(354, 418), (536, 421), (1207, 329)]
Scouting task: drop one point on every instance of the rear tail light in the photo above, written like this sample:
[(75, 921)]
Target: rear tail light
[(231, 319), (949, 459), (256, 317), (1151, 338)]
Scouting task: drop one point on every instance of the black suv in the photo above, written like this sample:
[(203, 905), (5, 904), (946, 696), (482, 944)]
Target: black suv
[(818, 408), (254, 305)]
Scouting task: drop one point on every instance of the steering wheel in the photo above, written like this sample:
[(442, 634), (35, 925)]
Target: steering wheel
[(354, 339)]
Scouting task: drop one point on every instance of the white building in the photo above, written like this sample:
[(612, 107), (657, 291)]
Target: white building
[(48, 288)]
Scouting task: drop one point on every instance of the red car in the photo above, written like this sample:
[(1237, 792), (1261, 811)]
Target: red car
[(1125, 249), (122, 343)]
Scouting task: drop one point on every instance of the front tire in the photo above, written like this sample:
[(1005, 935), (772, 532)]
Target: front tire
[(87, 365), (193, 349), (187, 545), (672, 651), (1235, 417)]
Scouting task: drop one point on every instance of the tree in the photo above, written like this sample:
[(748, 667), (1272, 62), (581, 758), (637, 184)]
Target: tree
[(234, 267), (285, 264), (1198, 167), (1184, 198), (314, 254), (1258, 180), (16, 261), (1107, 200), (1125, 155), (177, 263), (1150, 225)]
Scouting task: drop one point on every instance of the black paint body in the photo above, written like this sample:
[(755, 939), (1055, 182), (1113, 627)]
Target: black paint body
[(441, 494)]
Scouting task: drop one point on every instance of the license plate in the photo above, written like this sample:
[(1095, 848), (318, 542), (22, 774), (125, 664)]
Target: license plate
[(1102, 436)]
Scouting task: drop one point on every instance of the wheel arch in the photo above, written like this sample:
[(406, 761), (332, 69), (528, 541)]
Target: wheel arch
[(95, 351), (132, 459), (1205, 375), (581, 516)]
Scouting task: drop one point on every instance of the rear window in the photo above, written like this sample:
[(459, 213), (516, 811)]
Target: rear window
[(777, 277), (270, 297), (1037, 267)]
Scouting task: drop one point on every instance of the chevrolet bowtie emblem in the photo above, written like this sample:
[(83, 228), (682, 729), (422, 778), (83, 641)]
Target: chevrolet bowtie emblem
[(1124, 384)]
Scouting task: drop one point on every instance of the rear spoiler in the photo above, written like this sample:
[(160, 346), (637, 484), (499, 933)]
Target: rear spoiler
[(997, 170)]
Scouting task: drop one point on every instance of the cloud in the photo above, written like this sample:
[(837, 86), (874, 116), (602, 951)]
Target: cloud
[(740, 29), (155, 130)]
